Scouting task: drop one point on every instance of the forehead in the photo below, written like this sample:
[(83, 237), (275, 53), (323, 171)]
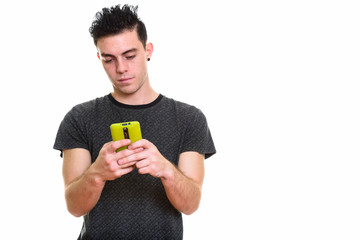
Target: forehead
[(119, 43)]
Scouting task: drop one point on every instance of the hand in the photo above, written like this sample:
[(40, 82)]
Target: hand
[(148, 159), (107, 164)]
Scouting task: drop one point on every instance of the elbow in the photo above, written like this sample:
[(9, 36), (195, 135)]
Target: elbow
[(193, 205), (192, 209), (76, 214), (74, 211), (189, 212), (72, 208)]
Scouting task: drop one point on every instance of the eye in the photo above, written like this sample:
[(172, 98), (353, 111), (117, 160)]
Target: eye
[(130, 57), (107, 60)]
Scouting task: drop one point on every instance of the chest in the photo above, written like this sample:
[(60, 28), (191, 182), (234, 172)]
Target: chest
[(162, 128)]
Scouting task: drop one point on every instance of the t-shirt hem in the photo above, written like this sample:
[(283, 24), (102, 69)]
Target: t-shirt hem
[(61, 149), (206, 154)]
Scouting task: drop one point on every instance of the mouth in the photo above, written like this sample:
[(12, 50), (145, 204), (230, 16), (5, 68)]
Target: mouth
[(125, 80)]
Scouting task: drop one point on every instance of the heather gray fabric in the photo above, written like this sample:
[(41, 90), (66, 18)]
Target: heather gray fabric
[(135, 206)]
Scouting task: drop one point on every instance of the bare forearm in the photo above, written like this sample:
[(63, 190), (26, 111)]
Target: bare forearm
[(84, 181), (82, 194), (183, 185), (183, 192)]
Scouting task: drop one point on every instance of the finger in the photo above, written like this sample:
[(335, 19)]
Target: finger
[(125, 153), (124, 171), (143, 143), (118, 144), (133, 158), (144, 170), (150, 170), (137, 150), (142, 164), (127, 165)]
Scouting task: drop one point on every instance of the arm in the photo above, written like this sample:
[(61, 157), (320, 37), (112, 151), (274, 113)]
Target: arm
[(82, 187), (84, 181), (182, 185)]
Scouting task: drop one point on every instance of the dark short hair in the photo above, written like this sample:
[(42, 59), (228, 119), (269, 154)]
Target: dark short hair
[(117, 19)]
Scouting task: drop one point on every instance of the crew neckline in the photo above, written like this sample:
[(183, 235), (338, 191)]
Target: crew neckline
[(143, 106)]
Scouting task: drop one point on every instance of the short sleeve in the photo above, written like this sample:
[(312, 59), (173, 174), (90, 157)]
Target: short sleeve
[(72, 132), (197, 136)]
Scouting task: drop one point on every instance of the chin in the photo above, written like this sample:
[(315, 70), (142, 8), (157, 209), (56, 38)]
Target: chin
[(125, 90)]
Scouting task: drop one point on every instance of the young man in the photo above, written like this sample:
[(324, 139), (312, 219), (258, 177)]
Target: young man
[(140, 192)]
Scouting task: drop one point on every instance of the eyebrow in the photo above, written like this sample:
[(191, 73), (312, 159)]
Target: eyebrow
[(130, 50), (124, 53)]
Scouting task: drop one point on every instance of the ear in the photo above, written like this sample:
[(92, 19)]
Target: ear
[(149, 50), (98, 55)]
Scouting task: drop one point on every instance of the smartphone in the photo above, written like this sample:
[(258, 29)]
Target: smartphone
[(126, 130)]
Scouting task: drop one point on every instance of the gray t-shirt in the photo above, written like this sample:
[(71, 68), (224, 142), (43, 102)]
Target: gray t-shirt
[(135, 206)]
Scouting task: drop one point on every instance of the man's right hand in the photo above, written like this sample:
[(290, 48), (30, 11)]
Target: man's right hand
[(84, 181), (106, 165)]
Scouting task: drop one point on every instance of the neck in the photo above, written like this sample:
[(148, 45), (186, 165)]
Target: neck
[(140, 97)]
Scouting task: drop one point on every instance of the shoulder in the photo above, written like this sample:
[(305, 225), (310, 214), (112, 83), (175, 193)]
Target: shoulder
[(89, 107), (184, 109), (186, 114), (82, 114)]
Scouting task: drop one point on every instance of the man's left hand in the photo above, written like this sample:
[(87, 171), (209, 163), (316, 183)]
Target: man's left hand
[(149, 160)]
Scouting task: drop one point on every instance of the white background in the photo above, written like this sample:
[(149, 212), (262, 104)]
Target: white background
[(277, 80)]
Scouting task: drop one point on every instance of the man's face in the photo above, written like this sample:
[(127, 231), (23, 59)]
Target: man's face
[(124, 59)]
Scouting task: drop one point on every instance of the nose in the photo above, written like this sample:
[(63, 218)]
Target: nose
[(121, 66)]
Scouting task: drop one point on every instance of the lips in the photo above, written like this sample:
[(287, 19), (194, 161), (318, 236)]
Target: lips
[(125, 79)]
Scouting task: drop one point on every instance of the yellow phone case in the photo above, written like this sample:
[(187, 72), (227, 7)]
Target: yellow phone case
[(126, 130)]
